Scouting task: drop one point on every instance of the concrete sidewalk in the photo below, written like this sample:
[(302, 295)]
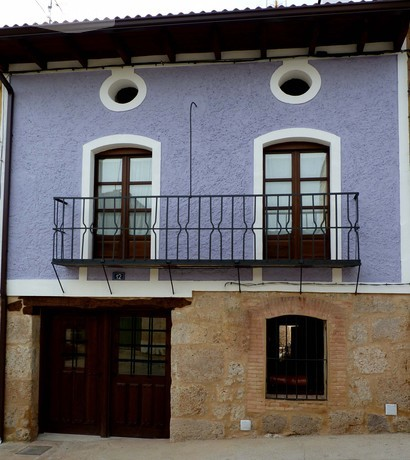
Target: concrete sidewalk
[(346, 447)]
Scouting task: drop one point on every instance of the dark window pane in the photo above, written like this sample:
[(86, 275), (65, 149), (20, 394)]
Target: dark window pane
[(142, 346), (295, 358), (74, 352)]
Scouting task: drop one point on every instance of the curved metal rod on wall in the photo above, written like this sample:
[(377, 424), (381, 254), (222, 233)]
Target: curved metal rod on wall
[(190, 146)]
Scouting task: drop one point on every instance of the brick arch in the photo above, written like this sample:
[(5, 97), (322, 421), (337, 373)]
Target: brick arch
[(331, 311)]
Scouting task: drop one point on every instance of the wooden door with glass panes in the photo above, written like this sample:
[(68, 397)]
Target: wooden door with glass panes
[(122, 224), (297, 210), (106, 374), (73, 374), (140, 388)]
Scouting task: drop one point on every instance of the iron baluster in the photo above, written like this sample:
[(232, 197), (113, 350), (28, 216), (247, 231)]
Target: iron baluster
[(220, 230), (212, 228)]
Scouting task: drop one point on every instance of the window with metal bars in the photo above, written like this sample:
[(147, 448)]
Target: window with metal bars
[(296, 357)]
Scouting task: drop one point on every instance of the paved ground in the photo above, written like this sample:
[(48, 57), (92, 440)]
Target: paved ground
[(347, 447)]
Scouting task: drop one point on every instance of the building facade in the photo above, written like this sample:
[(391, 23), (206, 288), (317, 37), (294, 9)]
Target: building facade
[(209, 240)]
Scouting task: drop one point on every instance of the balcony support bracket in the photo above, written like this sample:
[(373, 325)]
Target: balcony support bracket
[(170, 279), (357, 279), (239, 277), (106, 278), (58, 278)]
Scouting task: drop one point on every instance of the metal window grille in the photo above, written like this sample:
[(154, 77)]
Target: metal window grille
[(296, 364)]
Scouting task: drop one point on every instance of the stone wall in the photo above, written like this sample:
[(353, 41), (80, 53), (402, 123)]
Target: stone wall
[(218, 365), (22, 374), (209, 358)]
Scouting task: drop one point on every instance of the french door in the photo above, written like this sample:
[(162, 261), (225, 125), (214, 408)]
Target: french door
[(296, 190), (123, 186), (106, 374)]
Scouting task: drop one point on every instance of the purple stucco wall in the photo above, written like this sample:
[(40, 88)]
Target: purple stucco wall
[(57, 113)]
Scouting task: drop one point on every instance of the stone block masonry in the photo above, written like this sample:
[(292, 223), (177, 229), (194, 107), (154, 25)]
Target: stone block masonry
[(22, 374), (218, 361), (368, 347)]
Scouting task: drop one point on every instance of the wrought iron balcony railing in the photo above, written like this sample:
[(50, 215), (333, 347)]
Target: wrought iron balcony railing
[(210, 231)]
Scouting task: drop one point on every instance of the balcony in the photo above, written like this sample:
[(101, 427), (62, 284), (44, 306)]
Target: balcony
[(308, 230)]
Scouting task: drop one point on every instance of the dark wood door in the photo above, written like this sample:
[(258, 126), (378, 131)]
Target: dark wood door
[(106, 374), (140, 377), (72, 389)]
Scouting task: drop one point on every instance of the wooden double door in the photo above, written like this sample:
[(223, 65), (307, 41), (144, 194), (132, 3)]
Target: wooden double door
[(106, 374)]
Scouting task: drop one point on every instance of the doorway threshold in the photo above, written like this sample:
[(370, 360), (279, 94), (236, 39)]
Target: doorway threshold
[(62, 437)]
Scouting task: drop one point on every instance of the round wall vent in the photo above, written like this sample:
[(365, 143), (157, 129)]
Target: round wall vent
[(123, 90), (295, 82)]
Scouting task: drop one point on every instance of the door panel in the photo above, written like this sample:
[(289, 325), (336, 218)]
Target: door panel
[(72, 405), (106, 374), (141, 379)]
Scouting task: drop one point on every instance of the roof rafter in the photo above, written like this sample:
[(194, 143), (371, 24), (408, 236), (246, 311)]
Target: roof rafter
[(263, 41), (314, 37), (75, 50), (401, 33), (361, 42), (121, 48), (216, 43), (34, 54), (168, 45)]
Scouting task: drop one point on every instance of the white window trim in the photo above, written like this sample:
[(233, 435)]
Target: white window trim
[(330, 140), (403, 117), (87, 186)]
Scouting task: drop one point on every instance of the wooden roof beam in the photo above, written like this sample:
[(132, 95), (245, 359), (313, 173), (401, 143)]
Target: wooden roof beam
[(75, 50), (402, 31), (363, 37), (32, 53), (263, 41), (121, 48), (168, 45), (216, 44), (314, 37)]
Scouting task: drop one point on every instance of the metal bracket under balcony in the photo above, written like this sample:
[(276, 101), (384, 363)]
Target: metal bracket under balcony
[(306, 230)]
